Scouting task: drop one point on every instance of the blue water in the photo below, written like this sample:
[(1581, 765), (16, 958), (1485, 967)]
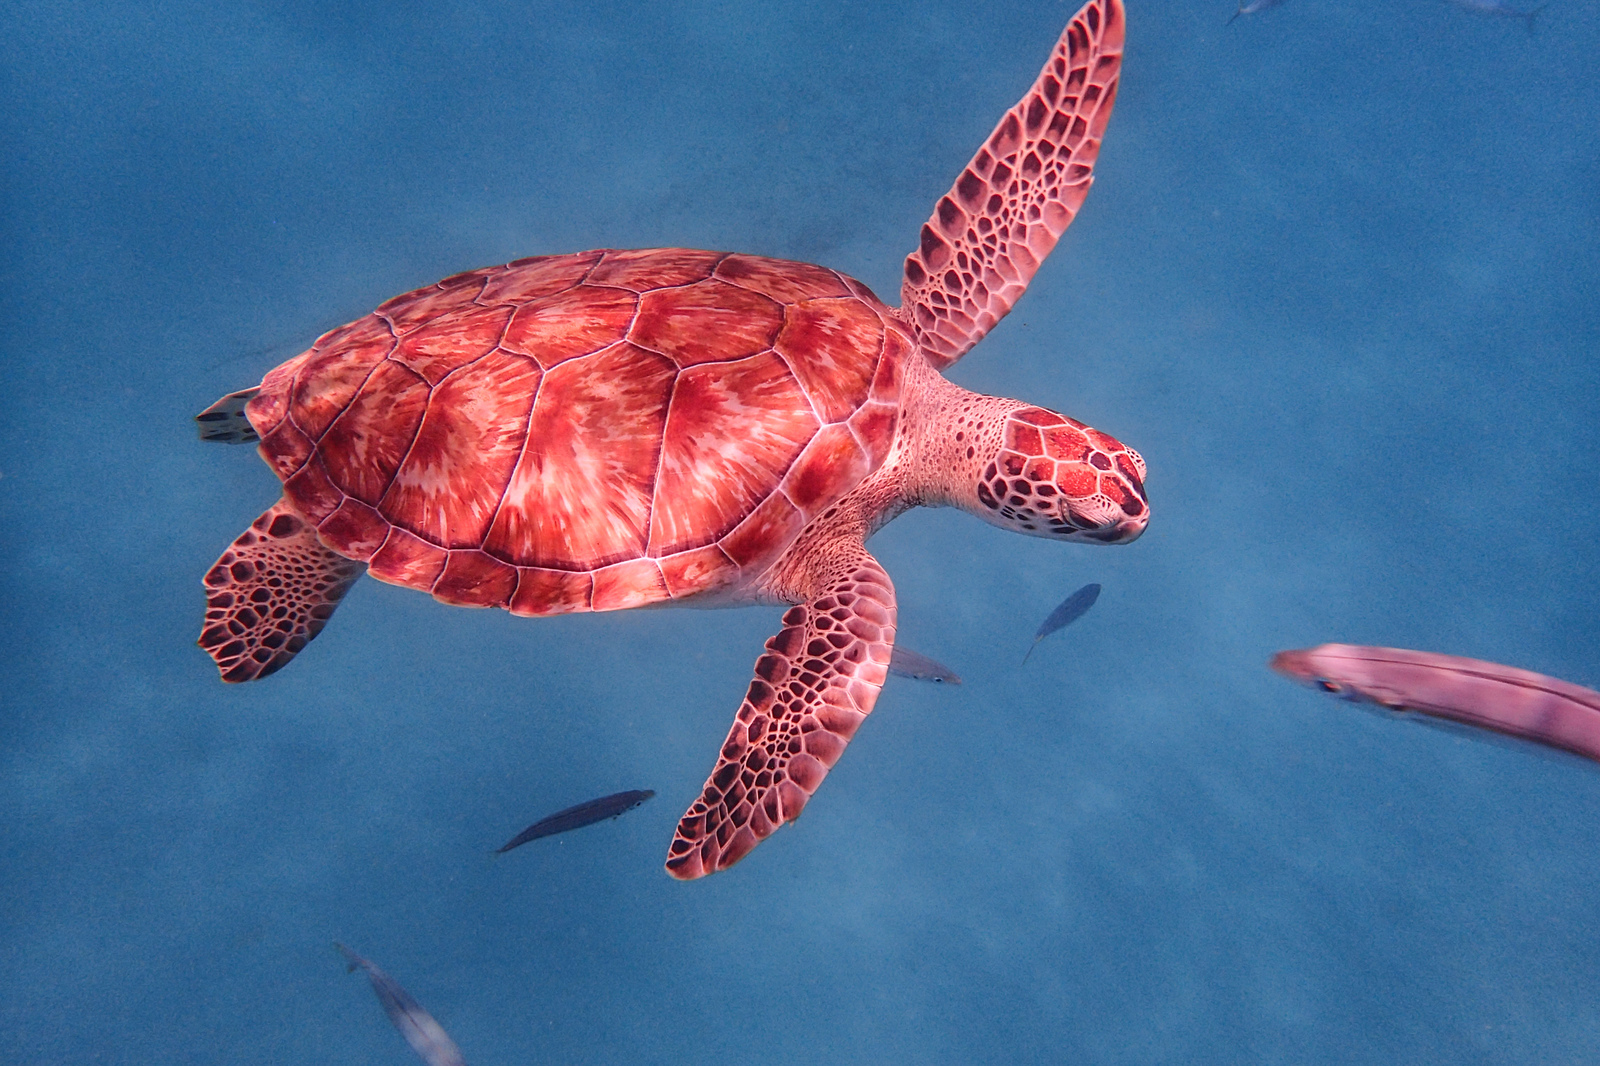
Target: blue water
[(1337, 281)]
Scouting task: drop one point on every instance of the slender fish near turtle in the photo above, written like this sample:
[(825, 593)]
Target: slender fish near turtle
[(1518, 703), (907, 663), (1070, 610), (576, 817), (426, 1036)]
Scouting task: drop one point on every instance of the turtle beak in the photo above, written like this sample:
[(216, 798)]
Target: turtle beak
[(1130, 529), (1112, 523), (1122, 531)]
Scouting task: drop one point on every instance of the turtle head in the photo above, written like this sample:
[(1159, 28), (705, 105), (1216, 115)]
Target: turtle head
[(1055, 477)]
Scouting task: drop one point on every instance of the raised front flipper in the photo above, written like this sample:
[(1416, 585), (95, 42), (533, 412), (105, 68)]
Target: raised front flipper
[(270, 593), (816, 682), (1011, 204)]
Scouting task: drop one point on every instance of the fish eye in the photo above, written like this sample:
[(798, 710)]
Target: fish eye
[(1327, 686)]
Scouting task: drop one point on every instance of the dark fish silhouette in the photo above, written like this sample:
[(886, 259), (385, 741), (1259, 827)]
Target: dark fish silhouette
[(426, 1036), (1072, 608), (595, 810), (1253, 6), (1517, 703), (907, 663)]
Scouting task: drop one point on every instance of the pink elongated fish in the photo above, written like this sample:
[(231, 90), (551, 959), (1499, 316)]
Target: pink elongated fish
[(426, 1036), (1518, 703)]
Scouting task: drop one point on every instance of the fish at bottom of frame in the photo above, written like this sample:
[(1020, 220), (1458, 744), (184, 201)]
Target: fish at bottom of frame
[(426, 1036)]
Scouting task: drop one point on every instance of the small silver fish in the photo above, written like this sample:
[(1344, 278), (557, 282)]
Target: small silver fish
[(1252, 7), (1071, 609), (426, 1036), (1499, 9), (904, 662), (578, 816)]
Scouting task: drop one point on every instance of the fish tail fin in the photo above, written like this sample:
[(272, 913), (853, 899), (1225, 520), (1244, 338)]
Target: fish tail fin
[(1035, 644), (1235, 15), (1535, 14)]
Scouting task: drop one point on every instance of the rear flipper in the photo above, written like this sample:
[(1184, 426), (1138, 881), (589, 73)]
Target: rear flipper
[(270, 593), (224, 421)]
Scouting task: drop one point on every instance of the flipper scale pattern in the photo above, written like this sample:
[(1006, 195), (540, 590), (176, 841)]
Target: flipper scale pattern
[(992, 230), (814, 685)]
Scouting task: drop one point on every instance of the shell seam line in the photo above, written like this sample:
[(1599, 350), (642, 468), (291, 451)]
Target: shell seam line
[(316, 442), (655, 476), (410, 445), (527, 431)]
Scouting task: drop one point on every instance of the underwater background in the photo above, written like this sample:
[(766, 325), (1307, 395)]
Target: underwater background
[(1337, 281)]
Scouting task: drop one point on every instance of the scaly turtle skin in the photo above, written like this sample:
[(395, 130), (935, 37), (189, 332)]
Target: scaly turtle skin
[(614, 429)]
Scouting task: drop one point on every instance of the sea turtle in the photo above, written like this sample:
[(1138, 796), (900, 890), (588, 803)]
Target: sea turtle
[(613, 429)]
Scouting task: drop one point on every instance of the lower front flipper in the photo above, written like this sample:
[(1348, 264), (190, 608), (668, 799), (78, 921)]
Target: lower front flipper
[(815, 684)]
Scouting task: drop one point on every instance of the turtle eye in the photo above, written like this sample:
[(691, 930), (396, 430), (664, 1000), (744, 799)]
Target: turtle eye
[(1327, 686)]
